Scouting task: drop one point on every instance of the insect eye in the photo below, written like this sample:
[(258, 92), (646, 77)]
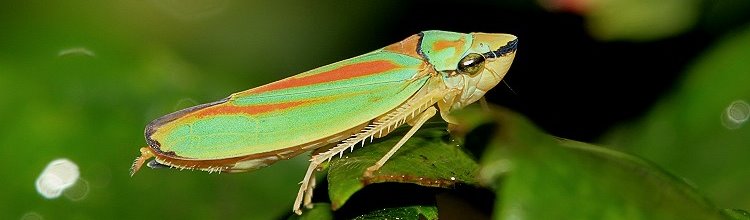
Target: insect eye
[(471, 64)]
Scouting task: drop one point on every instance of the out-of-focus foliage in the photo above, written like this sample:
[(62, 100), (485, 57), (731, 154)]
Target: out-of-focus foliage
[(700, 131), (648, 20), (80, 79), (738, 214), (538, 176), (640, 19)]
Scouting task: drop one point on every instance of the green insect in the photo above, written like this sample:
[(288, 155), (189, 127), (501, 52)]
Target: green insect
[(336, 106)]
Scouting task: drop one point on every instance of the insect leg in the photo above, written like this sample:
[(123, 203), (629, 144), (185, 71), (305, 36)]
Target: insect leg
[(420, 120), (145, 155), (305, 187), (484, 104), (309, 193)]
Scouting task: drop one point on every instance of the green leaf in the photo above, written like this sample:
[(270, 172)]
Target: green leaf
[(429, 158), (641, 20), (405, 213), (737, 214), (700, 131), (538, 176)]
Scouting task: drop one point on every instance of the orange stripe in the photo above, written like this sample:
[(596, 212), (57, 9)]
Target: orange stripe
[(442, 44), (406, 47), (229, 109), (341, 73)]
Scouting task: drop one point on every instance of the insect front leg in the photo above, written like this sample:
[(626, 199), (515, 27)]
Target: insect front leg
[(418, 122), (445, 107)]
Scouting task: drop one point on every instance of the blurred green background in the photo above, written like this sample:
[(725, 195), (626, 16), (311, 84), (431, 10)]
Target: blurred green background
[(81, 79)]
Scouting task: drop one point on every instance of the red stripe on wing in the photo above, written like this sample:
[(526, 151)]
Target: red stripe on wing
[(250, 109), (341, 73)]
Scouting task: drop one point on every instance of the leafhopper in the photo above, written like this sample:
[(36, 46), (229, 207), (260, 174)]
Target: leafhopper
[(335, 107)]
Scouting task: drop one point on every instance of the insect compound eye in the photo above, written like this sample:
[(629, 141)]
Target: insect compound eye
[(471, 64)]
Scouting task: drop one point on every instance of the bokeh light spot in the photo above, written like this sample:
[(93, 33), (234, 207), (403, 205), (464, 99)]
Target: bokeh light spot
[(76, 51), (736, 114), (31, 216), (78, 191), (59, 175)]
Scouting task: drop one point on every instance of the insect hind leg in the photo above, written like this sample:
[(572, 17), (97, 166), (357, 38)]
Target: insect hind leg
[(306, 188)]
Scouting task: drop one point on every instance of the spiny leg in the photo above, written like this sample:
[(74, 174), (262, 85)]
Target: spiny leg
[(420, 120), (381, 127), (305, 189), (307, 202)]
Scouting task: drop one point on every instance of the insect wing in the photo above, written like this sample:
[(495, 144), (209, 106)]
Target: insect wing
[(284, 115)]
